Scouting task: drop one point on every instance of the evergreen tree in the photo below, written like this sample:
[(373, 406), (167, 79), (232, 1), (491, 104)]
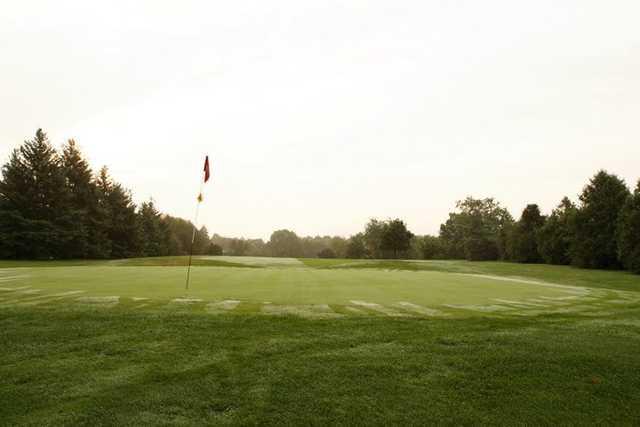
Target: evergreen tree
[(201, 241), (91, 240), (155, 232), (554, 237), (628, 232), (35, 220), (122, 227), (595, 244), (181, 232)]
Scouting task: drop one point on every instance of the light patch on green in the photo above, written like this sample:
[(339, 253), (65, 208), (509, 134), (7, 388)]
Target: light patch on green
[(186, 300), (40, 299), (480, 308), (354, 310), (222, 306), (420, 309), (109, 301), (572, 289), (258, 261), (379, 308), (311, 311), (14, 289), (29, 291), (518, 303)]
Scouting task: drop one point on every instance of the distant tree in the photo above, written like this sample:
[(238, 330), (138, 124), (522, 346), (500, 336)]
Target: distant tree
[(155, 231), (432, 247), (396, 239), (257, 247), (326, 253), (554, 237), (285, 243), (473, 232), (505, 240), (415, 248), (36, 220), (181, 232), (339, 246), (628, 232), (239, 247), (214, 249), (594, 244), (355, 247), (122, 226), (452, 236), (311, 246), (525, 235), (372, 238), (201, 241)]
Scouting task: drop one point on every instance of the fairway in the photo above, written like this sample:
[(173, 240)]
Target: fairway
[(313, 288)]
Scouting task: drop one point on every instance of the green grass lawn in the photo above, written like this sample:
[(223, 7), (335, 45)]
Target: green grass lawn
[(271, 341)]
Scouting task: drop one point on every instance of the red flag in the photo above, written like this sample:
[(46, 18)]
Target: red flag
[(206, 169)]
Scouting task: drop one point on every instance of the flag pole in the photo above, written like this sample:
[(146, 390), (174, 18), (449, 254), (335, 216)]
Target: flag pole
[(195, 220), (193, 236)]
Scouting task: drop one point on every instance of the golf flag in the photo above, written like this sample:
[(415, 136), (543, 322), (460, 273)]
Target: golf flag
[(207, 174), (206, 169)]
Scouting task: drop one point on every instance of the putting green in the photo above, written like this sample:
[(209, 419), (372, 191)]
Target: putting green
[(290, 286)]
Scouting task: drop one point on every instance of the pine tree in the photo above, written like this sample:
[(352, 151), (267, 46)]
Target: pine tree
[(156, 238), (35, 220), (628, 232), (122, 226), (594, 244), (201, 241), (92, 240)]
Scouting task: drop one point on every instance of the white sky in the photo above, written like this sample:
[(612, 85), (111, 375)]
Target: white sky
[(319, 115)]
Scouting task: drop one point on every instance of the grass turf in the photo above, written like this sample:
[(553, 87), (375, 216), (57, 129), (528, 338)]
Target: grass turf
[(118, 367), (67, 363)]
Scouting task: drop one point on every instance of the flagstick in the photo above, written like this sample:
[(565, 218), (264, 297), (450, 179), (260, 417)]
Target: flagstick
[(193, 237)]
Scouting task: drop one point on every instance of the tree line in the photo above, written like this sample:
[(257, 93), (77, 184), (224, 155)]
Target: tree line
[(601, 230), (52, 206), (380, 239)]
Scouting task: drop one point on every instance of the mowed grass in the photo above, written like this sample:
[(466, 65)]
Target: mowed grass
[(316, 342), (281, 286)]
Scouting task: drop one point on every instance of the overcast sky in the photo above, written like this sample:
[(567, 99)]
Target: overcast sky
[(320, 115)]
